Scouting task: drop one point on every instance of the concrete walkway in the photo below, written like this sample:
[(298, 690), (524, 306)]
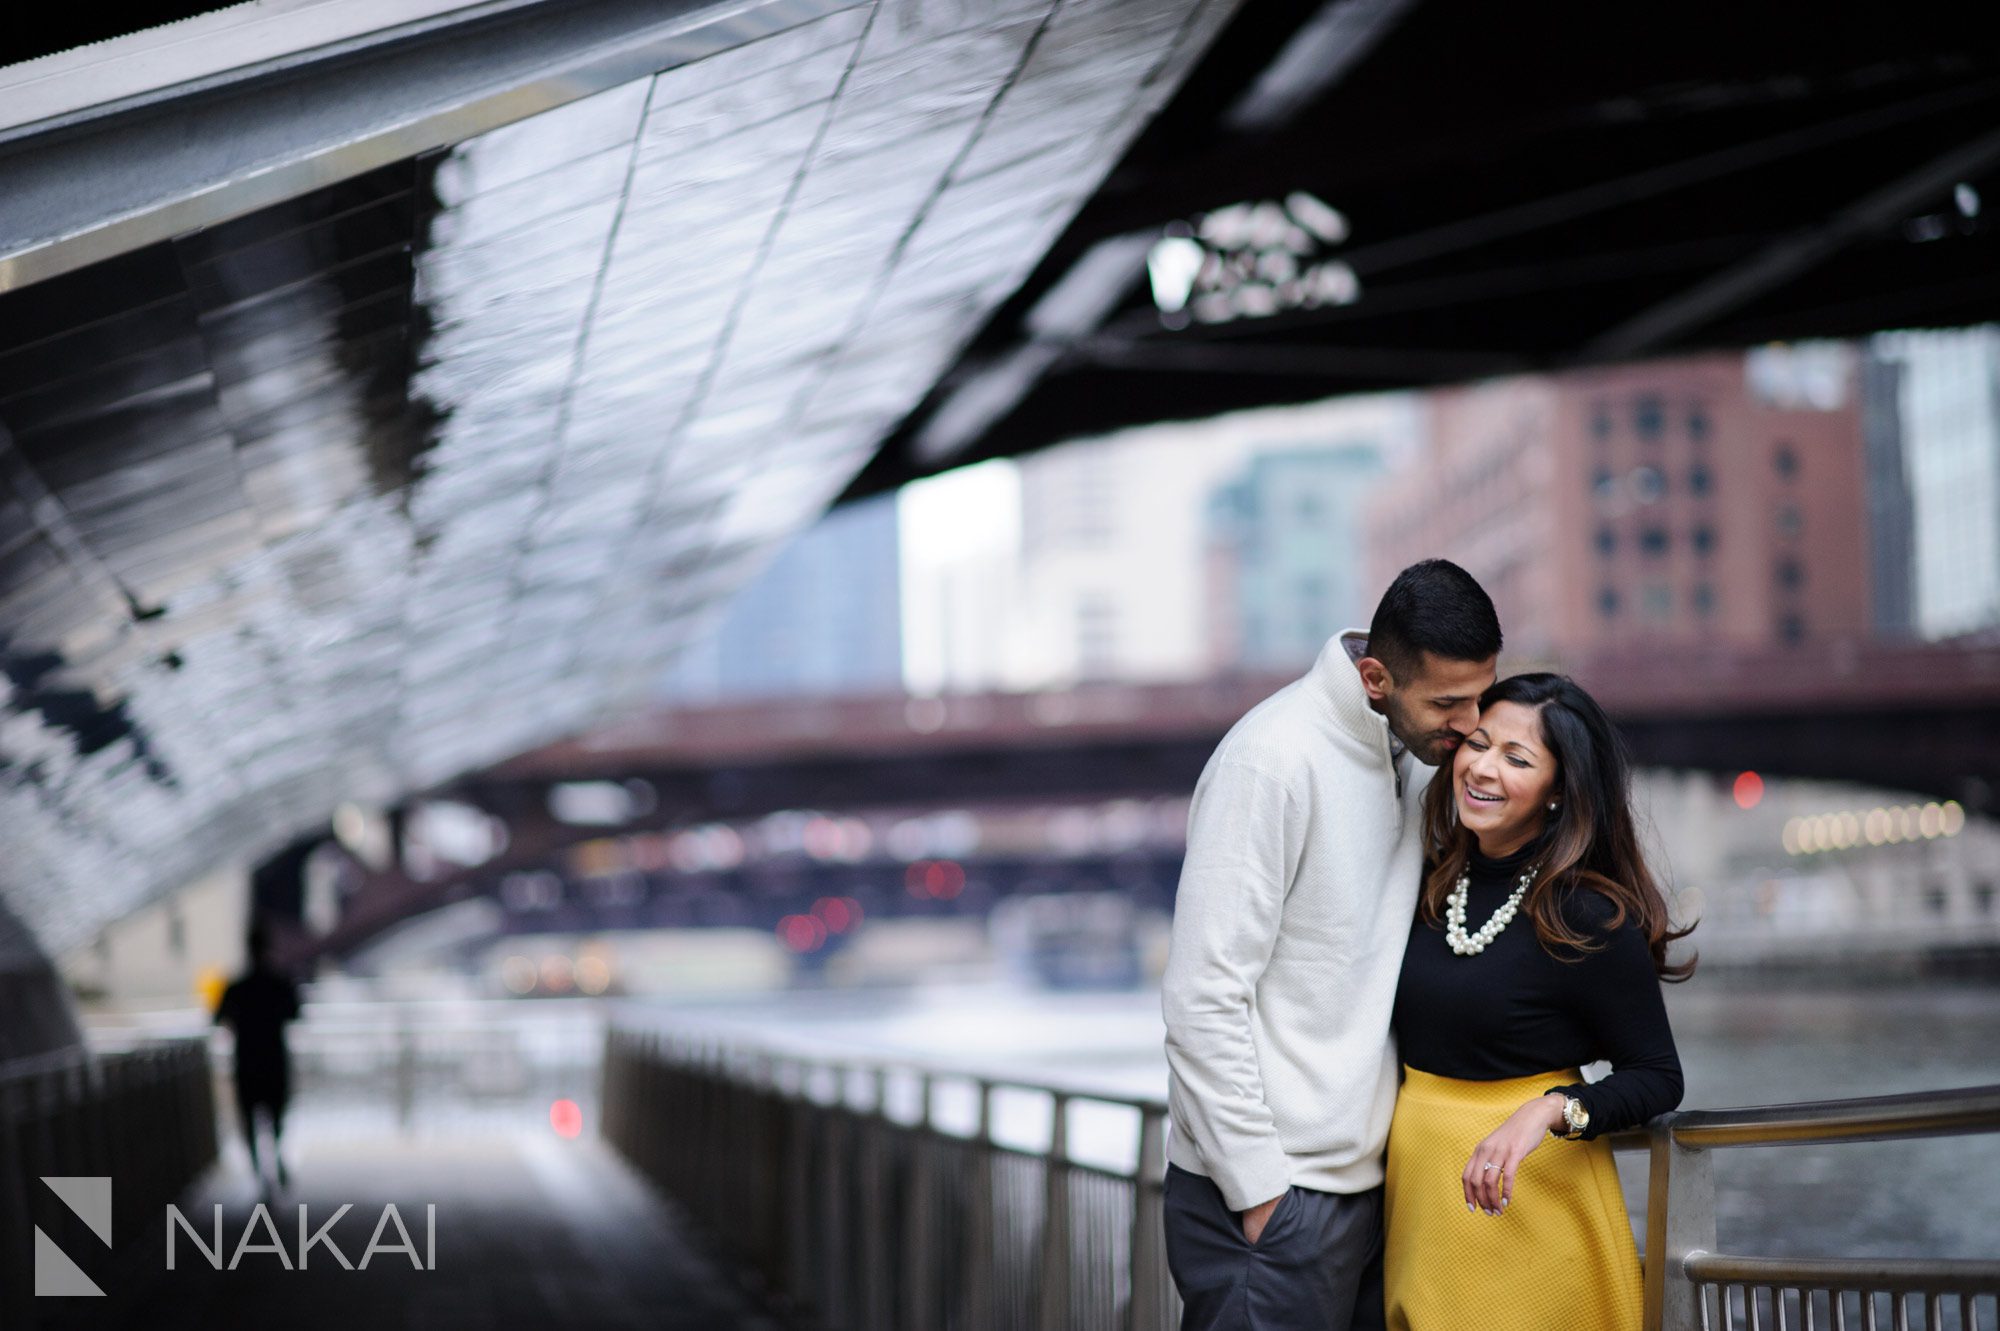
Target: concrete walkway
[(531, 1231)]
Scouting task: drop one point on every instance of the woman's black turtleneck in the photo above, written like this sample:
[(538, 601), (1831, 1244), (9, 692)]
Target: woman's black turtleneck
[(1516, 1010)]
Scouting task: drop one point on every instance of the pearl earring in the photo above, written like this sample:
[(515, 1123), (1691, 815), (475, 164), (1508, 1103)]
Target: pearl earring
[(1552, 806)]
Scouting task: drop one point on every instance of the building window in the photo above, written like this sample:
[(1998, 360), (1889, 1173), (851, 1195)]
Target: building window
[(1703, 600), (1703, 539), (1790, 521), (1653, 540), (1604, 485), (1792, 628), (1607, 602), (1607, 541), (1096, 636), (1698, 423), (1648, 486), (1700, 482), (1600, 420), (1649, 417), (1658, 600), (1785, 461), (1790, 574)]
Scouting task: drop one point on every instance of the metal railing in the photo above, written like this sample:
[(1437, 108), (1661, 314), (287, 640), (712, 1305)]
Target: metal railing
[(864, 1203), (143, 1116), (1689, 1285), (863, 1206)]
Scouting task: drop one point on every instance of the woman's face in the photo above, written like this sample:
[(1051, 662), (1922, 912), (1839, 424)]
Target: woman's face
[(1503, 778)]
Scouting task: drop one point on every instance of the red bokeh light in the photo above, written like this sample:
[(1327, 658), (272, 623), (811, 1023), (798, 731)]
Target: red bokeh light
[(944, 880), (802, 933), (941, 880), (566, 1118), (838, 913), (1749, 790)]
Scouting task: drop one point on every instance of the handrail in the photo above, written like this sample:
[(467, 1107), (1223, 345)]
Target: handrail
[(1930, 1274), (1689, 1285), (1876, 1118), (858, 1058)]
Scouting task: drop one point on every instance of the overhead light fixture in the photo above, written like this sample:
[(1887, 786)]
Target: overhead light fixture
[(1172, 265), (1251, 261)]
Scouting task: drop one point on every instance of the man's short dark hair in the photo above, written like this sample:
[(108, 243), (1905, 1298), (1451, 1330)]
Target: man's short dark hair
[(1436, 607)]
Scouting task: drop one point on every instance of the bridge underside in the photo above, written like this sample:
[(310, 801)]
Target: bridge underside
[(1518, 192), (368, 419)]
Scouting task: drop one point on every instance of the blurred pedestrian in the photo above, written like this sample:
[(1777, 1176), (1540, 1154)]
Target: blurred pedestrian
[(256, 1008)]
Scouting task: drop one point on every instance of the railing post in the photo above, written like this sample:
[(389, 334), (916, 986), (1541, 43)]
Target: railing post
[(1055, 1291), (1680, 1220), (834, 1288), (981, 1294), (1148, 1309), (919, 1256), (17, 1308), (878, 1163)]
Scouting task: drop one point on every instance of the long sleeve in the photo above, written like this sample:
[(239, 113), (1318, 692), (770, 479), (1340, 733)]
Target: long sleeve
[(1618, 994), (1245, 834)]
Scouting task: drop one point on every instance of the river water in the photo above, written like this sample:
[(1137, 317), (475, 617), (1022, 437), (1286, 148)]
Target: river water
[(1740, 1045)]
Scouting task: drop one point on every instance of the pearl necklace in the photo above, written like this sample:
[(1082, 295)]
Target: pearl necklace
[(1471, 945)]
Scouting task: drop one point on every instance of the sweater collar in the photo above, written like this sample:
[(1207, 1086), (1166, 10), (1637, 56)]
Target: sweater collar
[(1488, 866), (1339, 683)]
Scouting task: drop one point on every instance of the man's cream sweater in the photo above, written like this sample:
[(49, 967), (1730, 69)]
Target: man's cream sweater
[(1303, 858)]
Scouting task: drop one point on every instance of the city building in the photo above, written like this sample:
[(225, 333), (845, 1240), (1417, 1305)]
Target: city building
[(1714, 498), (1091, 561), (961, 578), (824, 618), (1117, 536), (1286, 568), (1949, 406), (1892, 574)]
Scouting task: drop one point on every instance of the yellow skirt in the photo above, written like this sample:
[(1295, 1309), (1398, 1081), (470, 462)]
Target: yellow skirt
[(1561, 1256)]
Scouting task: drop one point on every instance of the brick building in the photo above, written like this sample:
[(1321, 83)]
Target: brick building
[(1709, 498)]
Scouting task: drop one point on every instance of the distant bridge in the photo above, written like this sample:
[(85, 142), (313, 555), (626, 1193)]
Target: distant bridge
[(1922, 718), (1919, 717)]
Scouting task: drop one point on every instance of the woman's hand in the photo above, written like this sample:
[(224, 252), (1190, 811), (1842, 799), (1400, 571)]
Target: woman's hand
[(1489, 1175)]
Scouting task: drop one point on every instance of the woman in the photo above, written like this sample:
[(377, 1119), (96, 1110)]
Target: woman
[(1539, 946)]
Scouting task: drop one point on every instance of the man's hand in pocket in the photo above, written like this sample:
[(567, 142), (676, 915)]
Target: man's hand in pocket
[(1259, 1216)]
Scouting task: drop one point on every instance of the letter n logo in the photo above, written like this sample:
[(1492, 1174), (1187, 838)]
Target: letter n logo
[(55, 1273)]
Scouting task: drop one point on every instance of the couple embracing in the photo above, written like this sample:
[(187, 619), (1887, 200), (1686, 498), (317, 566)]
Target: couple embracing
[(1413, 907)]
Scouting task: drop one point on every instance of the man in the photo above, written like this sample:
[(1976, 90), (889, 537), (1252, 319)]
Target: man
[(256, 1008), (1304, 854)]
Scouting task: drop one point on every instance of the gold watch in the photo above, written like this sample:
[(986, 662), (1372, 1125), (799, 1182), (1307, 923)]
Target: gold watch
[(1575, 1118)]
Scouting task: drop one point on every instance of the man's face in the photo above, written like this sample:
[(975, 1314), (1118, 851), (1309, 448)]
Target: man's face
[(1436, 709)]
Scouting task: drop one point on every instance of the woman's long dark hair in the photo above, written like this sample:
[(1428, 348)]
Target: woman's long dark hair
[(1590, 842)]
